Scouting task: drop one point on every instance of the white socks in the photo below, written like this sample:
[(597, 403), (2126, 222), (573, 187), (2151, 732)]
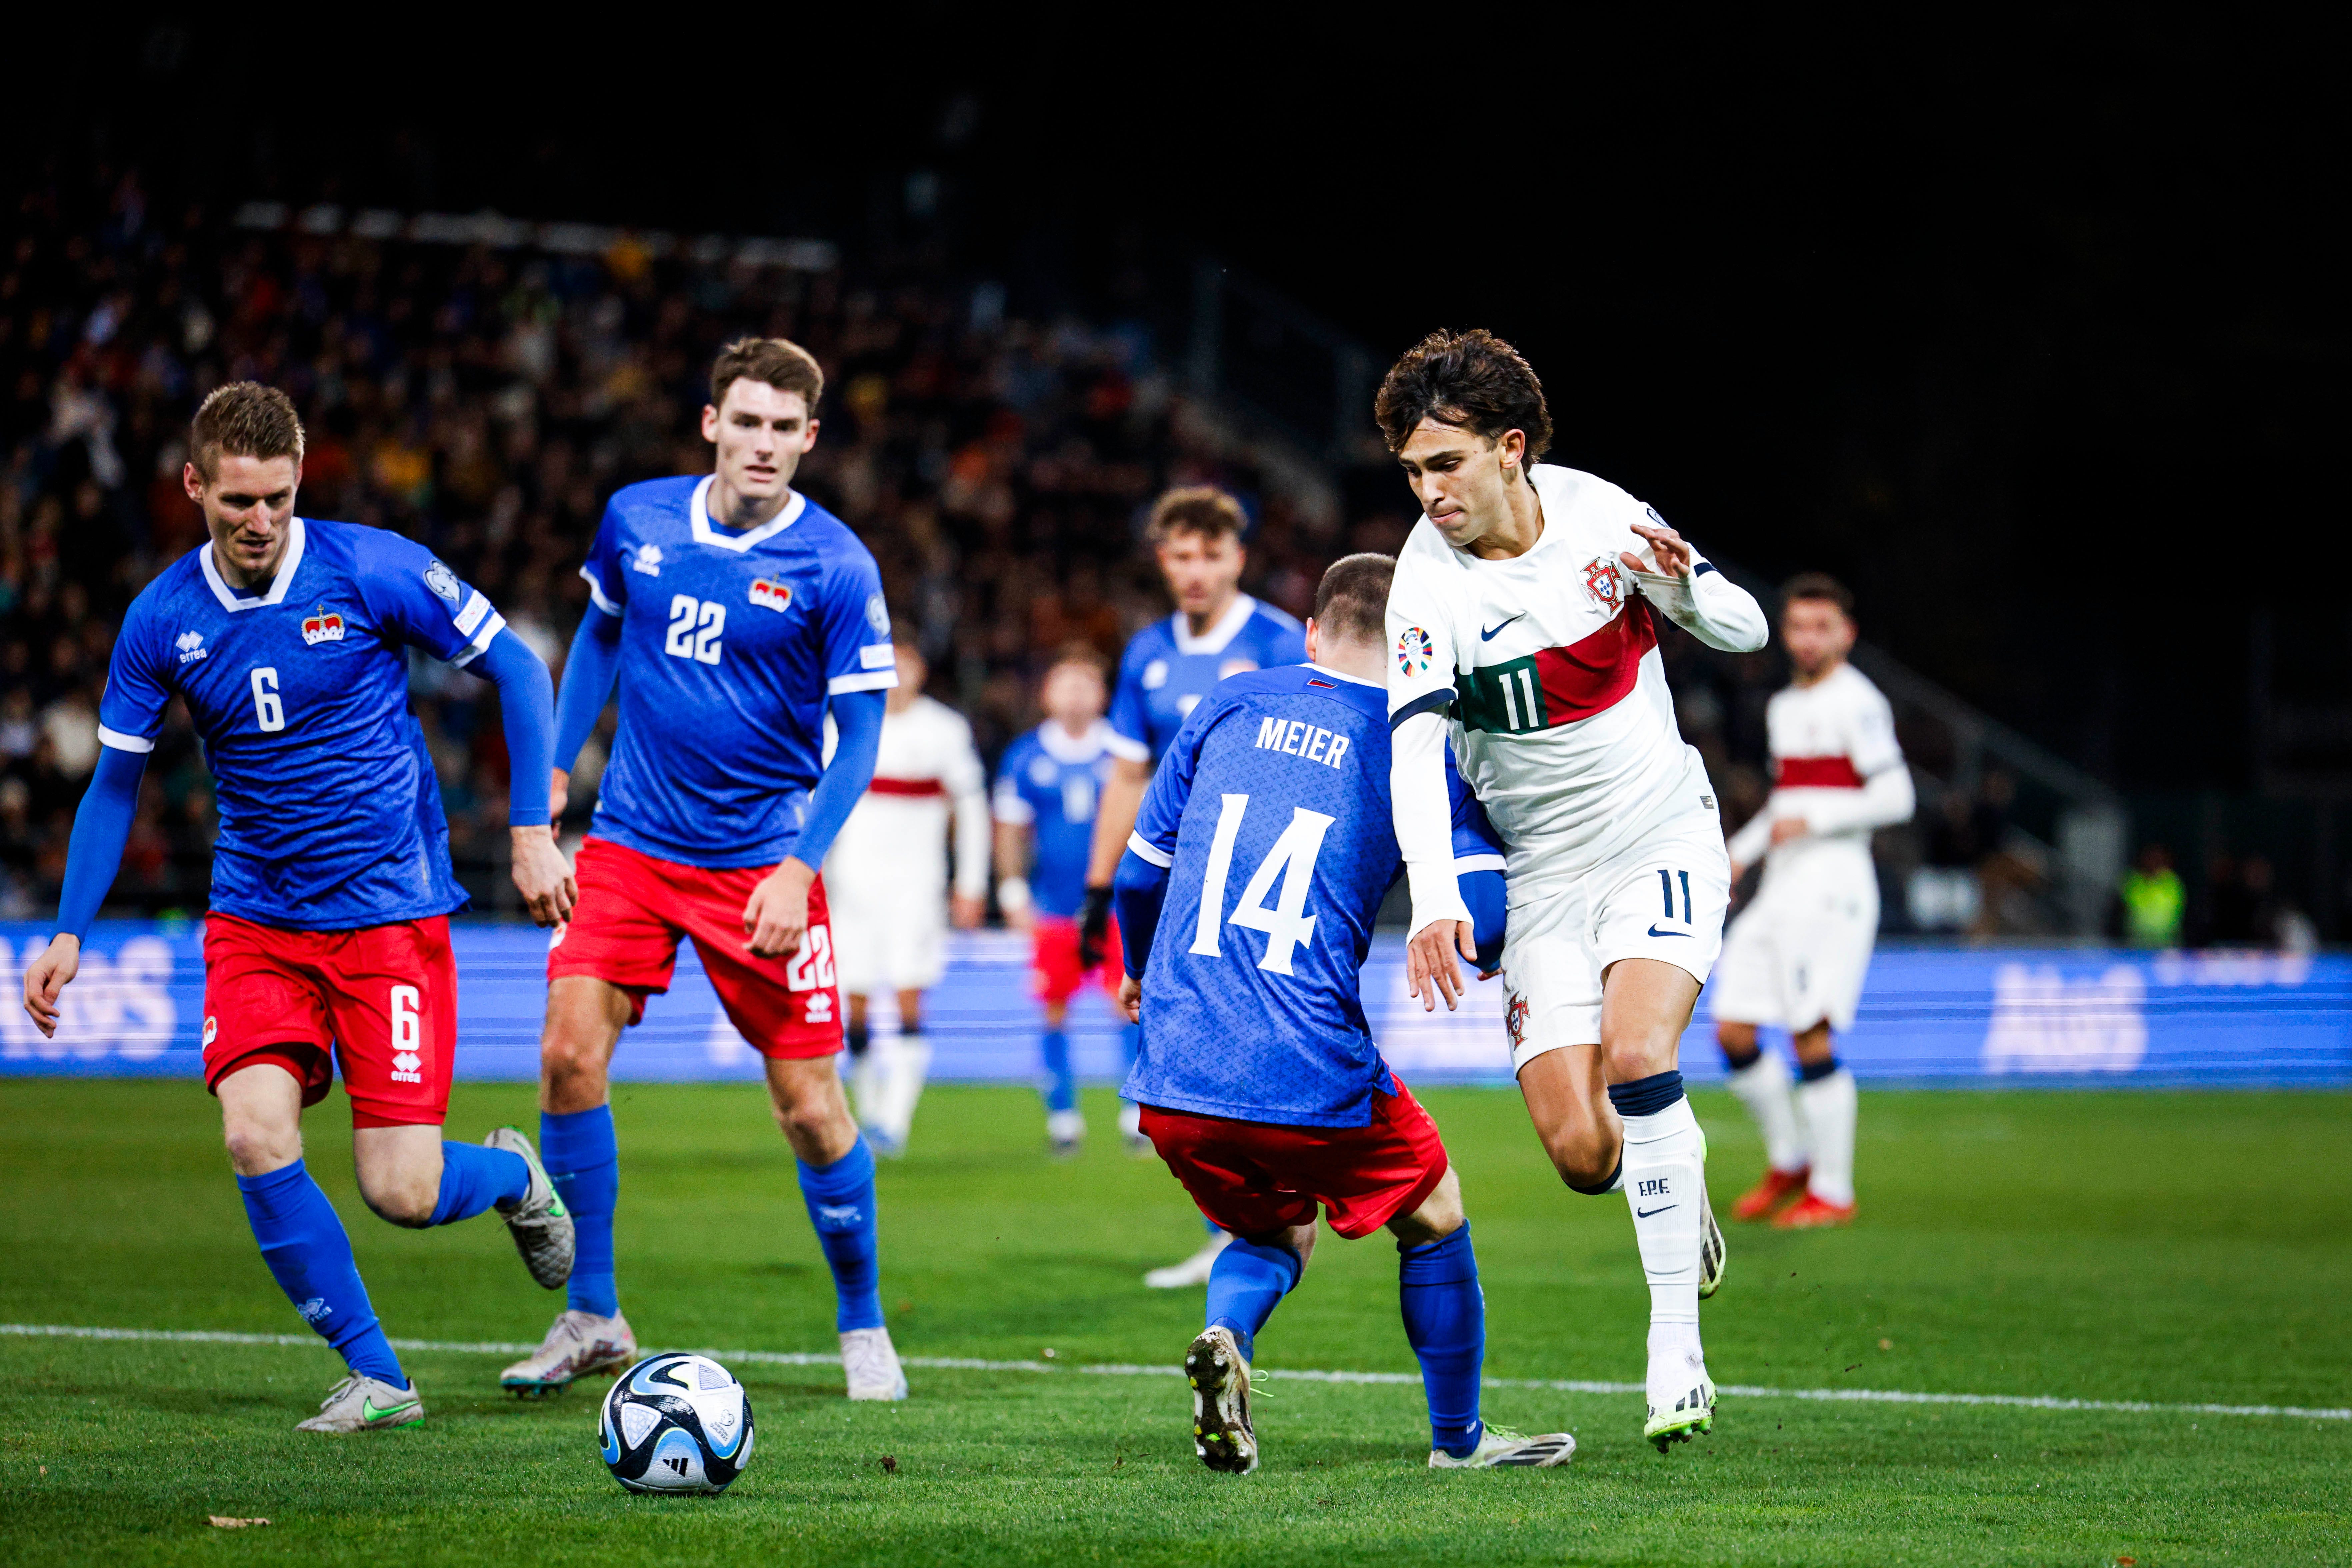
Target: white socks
[(1829, 1107), (1763, 1087), (1664, 1170), (906, 1065)]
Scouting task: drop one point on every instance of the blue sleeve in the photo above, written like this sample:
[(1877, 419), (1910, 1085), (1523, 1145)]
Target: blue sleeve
[(590, 672), (1489, 898), (858, 656), (1010, 800), (422, 602), (608, 585), (1136, 892), (1475, 838), (131, 709), (101, 827), (857, 716), (1477, 868), (1130, 724), (527, 709)]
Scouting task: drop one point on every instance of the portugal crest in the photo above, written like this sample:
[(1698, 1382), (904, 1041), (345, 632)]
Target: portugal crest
[(1515, 1018), (1604, 583)]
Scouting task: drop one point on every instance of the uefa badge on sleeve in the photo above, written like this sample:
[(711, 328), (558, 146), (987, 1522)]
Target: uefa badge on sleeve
[(1414, 652)]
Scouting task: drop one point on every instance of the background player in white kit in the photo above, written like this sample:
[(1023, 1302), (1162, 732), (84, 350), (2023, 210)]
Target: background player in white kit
[(1796, 955), (1522, 607), (887, 876)]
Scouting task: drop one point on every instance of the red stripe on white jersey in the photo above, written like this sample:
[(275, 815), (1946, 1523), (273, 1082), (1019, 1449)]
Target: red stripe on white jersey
[(1594, 674), (907, 788), (1815, 773)]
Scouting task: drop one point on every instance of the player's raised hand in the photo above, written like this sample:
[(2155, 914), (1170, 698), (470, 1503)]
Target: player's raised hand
[(1130, 999), (542, 876), (776, 916), (1673, 554), (46, 978), (1431, 967)]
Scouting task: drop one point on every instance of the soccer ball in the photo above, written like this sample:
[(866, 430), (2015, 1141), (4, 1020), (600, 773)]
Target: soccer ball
[(676, 1423)]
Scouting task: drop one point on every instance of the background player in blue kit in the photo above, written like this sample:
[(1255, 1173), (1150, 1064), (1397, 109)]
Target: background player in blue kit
[(1217, 631), (328, 942), (1261, 1085), (1047, 787), (734, 613)]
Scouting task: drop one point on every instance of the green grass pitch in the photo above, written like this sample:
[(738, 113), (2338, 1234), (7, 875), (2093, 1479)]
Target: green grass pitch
[(2171, 1248)]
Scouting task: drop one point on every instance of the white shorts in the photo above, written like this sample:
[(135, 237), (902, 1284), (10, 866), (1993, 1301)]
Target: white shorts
[(1796, 957), (1663, 896), (888, 944)]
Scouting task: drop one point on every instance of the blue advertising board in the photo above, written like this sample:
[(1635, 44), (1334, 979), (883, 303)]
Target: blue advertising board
[(1977, 1017)]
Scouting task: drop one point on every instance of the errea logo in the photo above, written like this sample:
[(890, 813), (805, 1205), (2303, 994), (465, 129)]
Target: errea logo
[(648, 560), (191, 647)]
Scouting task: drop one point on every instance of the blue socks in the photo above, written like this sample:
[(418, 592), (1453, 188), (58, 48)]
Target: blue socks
[(473, 1178), (1060, 1083), (1245, 1284), (309, 1254), (840, 1199), (585, 1164), (1445, 1323)]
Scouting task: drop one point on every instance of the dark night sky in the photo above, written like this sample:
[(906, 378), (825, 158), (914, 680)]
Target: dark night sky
[(2035, 335)]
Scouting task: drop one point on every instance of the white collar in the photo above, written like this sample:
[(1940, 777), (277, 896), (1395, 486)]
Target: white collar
[(1056, 743), (707, 532), (229, 597), (1229, 627), (1343, 675)]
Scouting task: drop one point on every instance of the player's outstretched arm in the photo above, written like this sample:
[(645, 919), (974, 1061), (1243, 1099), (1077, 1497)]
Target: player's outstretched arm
[(1694, 595), (776, 916), (527, 709), (590, 671), (101, 827)]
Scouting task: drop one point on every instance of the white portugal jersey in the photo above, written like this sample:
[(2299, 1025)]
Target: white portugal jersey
[(893, 851), (1548, 662), (1835, 765)]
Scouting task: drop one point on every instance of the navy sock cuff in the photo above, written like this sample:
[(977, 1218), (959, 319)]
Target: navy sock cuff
[(1741, 1060), (1813, 1072), (1646, 1096), (1608, 1185)]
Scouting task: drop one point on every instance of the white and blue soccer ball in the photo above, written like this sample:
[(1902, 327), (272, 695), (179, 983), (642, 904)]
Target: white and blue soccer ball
[(676, 1423)]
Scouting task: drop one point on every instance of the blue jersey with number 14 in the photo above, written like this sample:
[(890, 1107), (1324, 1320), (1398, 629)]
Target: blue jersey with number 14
[(1271, 812)]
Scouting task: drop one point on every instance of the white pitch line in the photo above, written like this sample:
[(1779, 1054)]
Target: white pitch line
[(1275, 1374)]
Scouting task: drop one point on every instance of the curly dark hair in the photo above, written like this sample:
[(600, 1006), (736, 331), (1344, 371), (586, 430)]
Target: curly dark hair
[(1473, 380)]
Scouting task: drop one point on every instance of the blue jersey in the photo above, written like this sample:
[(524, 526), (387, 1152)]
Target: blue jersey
[(1049, 783), (730, 644), (330, 810), (1166, 671), (1271, 812)]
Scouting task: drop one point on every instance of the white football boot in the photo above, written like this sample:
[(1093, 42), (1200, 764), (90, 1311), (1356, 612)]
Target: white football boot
[(1682, 1409), (577, 1344), (1222, 1434), (363, 1404), (540, 1223), (1194, 1270), (870, 1362), (1499, 1447), (1065, 1132)]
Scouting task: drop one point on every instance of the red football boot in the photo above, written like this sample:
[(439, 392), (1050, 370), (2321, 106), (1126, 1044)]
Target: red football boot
[(1810, 1212), (1777, 1188)]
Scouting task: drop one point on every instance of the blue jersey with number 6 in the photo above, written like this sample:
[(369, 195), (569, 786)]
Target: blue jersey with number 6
[(730, 645), (1271, 812)]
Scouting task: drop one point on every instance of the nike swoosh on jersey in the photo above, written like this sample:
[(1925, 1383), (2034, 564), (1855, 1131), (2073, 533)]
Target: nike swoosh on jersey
[(1655, 931), (1485, 636)]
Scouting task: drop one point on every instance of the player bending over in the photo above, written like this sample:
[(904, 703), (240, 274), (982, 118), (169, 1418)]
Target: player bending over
[(1046, 789), (1249, 885), (1522, 608), (1796, 955), (733, 612), (1217, 631), (887, 877), (328, 943)]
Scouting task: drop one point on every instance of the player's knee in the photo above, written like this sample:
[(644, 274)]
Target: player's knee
[(572, 1067), (257, 1147), (1586, 1159), (405, 1197), (1737, 1040)]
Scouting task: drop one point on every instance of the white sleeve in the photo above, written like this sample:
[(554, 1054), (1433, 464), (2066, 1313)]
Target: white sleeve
[(1755, 836), (1884, 799), (1421, 646), (1711, 606), (967, 785), (1424, 819)]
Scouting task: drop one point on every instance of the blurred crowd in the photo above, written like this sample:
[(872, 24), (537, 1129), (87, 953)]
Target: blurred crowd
[(485, 400)]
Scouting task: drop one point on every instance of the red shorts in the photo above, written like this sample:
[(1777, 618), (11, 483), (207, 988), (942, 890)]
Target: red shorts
[(1054, 959), (634, 908), (1252, 1177), (381, 1002)]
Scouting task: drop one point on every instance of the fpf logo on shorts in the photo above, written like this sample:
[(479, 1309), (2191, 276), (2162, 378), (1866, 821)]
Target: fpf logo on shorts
[(1603, 582), (1414, 651)]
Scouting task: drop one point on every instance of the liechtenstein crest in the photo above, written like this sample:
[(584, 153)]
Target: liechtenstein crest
[(322, 625), (1604, 583), (771, 594)]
